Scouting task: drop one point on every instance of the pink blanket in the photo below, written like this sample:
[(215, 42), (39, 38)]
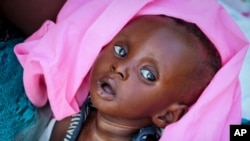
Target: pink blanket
[(58, 57)]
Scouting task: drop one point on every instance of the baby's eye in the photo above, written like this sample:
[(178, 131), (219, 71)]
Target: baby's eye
[(147, 75), (120, 51)]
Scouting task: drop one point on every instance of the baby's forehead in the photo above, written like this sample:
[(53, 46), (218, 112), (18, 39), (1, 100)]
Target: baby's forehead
[(146, 25), (155, 22)]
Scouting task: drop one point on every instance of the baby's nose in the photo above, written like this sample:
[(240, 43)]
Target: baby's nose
[(120, 70)]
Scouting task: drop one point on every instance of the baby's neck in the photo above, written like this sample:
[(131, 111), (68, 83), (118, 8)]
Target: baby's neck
[(101, 128)]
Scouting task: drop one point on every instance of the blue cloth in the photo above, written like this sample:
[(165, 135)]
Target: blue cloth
[(19, 119)]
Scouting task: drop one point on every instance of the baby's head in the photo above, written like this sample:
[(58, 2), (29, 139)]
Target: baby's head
[(152, 71)]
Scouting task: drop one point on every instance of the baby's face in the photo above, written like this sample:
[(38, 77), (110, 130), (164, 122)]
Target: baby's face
[(138, 72)]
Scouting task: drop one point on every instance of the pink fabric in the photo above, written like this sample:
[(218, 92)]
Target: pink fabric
[(58, 57)]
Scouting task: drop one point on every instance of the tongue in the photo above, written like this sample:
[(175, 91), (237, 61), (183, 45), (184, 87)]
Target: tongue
[(108, 89)]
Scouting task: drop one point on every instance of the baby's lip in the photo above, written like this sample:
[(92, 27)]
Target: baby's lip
[(107, 86)]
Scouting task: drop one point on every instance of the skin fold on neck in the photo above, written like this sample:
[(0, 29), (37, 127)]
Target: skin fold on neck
[(99, 128)]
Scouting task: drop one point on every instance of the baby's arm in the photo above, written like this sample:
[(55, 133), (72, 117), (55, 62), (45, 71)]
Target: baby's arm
[(28, 15)]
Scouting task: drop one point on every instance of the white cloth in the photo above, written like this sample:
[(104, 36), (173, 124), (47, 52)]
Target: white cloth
[(47, 132)]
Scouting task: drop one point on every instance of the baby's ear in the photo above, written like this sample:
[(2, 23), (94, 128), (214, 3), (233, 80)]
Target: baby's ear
[(169, 115)]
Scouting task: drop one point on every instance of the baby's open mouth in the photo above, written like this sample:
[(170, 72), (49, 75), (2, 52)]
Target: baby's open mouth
[(107, 88)]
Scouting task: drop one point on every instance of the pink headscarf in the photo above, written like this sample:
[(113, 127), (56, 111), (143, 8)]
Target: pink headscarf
[(58, 57)]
